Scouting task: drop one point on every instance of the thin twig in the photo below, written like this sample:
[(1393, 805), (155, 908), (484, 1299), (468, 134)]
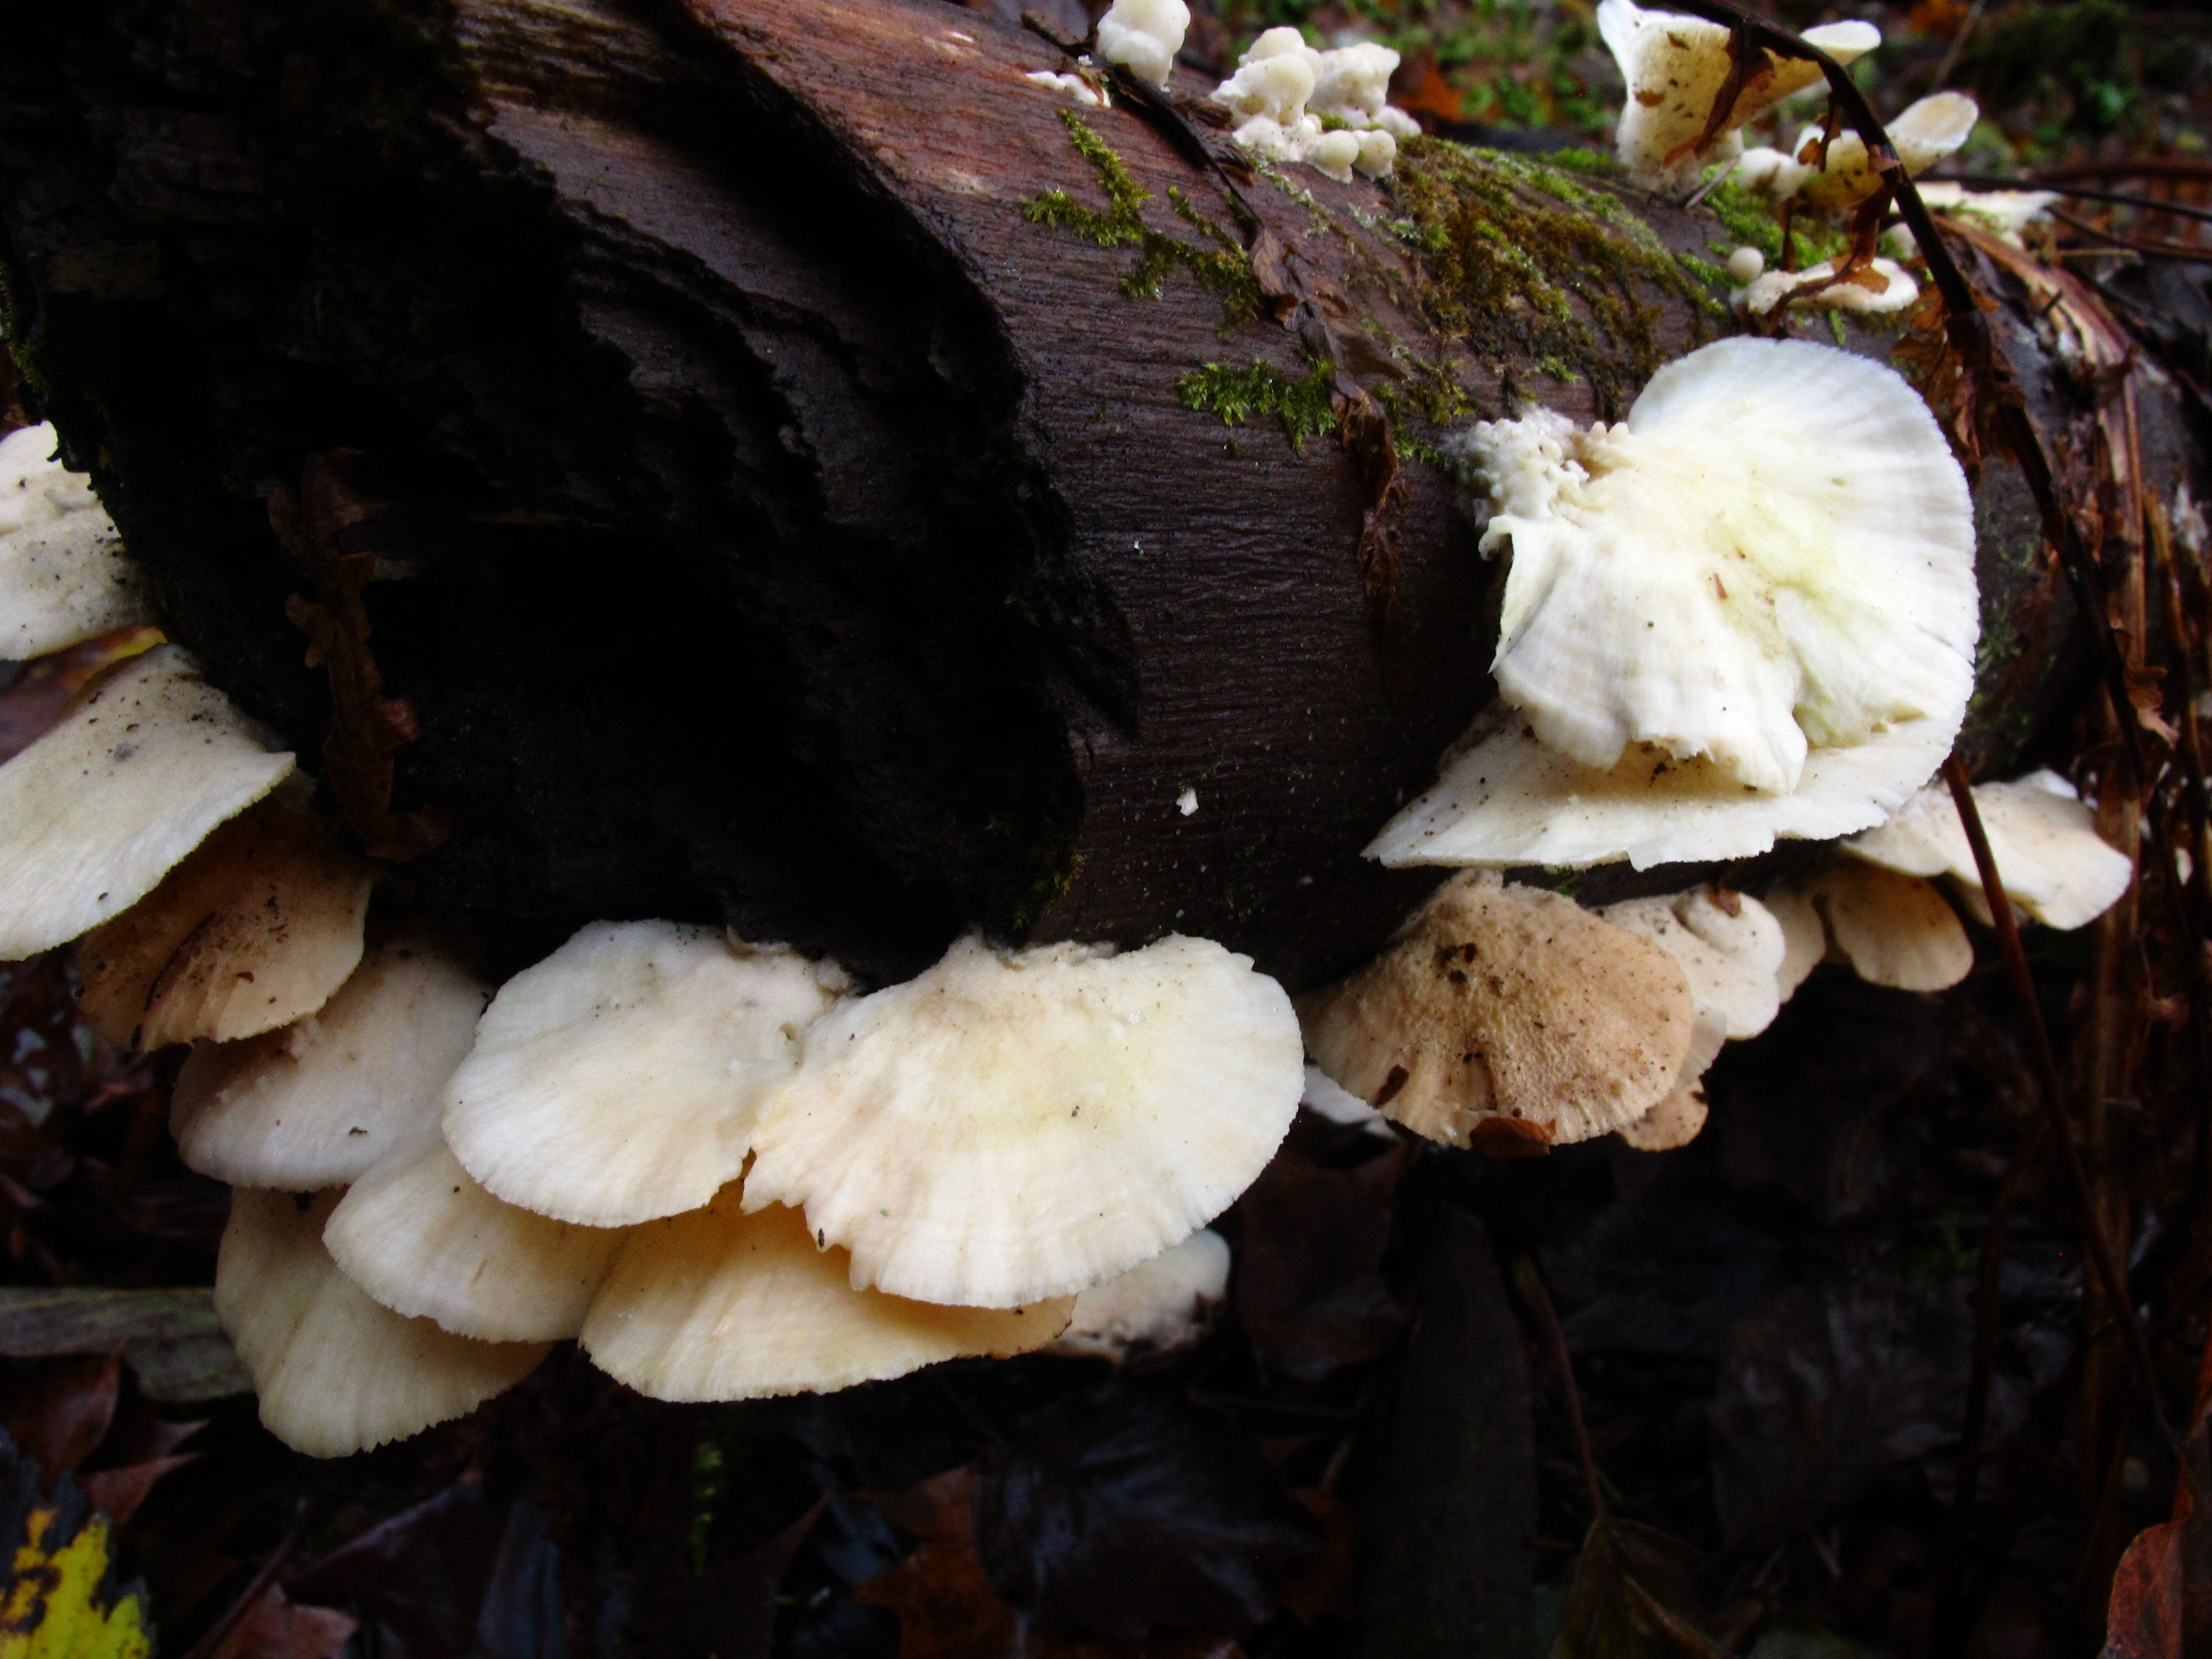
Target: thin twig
[(1530, 1284), (1958, 46), (2109, 1276), (256, 1587)]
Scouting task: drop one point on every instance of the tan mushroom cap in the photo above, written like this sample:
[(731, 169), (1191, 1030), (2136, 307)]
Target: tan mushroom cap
[(1675, 1122), (329, 1097), (260, 925), (1893, 929), (336, 1372), (95, 812), (1924, 134), (2049, 855), (1729, 946), (1507, 1014), (422, 1238), (63, 575), (1504, 799), (1157, 1307), (1675, 66), (719, 1304), (1015, 1126), (619, 1079), (1804, 935)]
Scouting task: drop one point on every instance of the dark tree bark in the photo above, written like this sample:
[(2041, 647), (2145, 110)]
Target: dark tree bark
[(771, 519)]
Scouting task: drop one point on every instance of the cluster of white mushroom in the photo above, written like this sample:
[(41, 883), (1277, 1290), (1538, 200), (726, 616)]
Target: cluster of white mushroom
[(1330, 110), (1748, 611), (1677, 66), (723, 1169)]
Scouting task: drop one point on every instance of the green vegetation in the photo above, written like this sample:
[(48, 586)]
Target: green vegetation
[(1238, 394)]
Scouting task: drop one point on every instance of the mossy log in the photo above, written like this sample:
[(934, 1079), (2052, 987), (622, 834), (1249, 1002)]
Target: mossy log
[(792, 469)]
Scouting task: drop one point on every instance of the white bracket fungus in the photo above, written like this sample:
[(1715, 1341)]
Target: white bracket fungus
[(1157, 1307), (718, 1304), (2050, 858), (2004, 214), (425, 1240), (1878, 286), (64, 577), (619, 1080), (1499, 1015), (1016, 1124), (95, 812), (1893, 929), (1729, 946), (259, 926), (338, 1373), (1077, 89), (1923, 136), (1145, 36), (330, 1097), (1746, 611), (1676, 66)]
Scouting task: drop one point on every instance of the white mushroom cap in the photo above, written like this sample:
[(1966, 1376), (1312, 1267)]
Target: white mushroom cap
[(2049, 855), (1749, 610), (1675, 67), (1276, 86), (619, 1079), (1924, 135), (424, 1239), (1158, 1306), (336, 1372), (260, 925), (1768, 172), (1774, 550), (1018, 1125), (1353, 82), (1378, 153), (1893, 929), (1143, 34), (1504, 799), (63, 575), (2003, 212), (1499, 1015), (718, 1304), (1731, 949), (1805, 936), (1333, 154), (330, 1096), (1880, 286), (101, 807)]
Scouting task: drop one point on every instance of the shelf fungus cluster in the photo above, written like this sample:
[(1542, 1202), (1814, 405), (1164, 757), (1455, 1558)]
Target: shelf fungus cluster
[(723, 1169), (1747, 612)]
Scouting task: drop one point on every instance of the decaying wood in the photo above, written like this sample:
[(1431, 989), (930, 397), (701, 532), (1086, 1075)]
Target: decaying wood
[(782, 523)]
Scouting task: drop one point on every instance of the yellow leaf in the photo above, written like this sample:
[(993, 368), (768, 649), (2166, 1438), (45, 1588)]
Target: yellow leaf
[(58, 1604)]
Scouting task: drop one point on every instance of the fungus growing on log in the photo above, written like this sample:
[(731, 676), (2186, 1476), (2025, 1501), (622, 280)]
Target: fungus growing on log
[(1155, 1307), (334, 1371), (421, 1237), (259, 926), (1011, 1127), (1747, 610), (722, 1305), (2054, 865), (622, 1078), (95, 812), (1506, 1018), (1676, 68), (1144, 36), (1924, 135), (330, 1096), (1893, 929), (63, 576)]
